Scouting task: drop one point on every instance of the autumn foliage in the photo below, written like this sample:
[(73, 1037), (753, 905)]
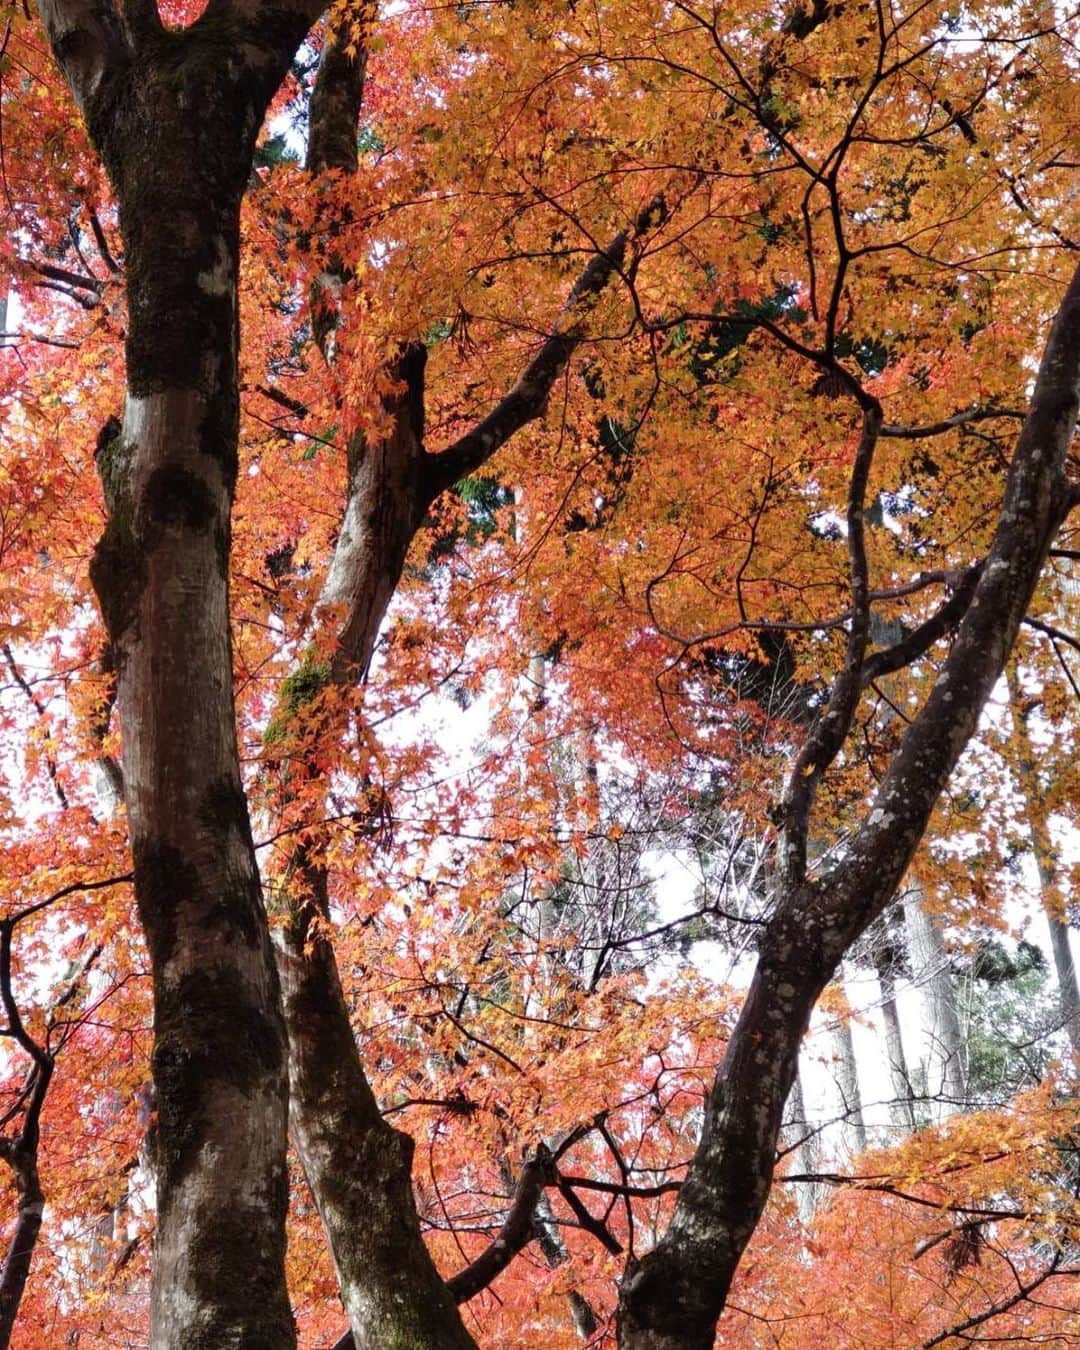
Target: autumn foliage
[(607, 643)]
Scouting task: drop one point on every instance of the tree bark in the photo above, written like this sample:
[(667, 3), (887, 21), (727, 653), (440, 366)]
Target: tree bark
[(848, 1083), (946, 1061), (1042, 847), (902, 1107), (672, 1298), (31, 1206), (387, 1278), (174, 117), (800, 1135)]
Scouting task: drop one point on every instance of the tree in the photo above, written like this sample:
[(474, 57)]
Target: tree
[(857, 204)]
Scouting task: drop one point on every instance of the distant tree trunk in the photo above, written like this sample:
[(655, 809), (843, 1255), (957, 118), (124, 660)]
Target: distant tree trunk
[(946, 1062), (902, 1107), (802, 1136), (22, 1159), (847, 1081), (550, 1242), (174, 116), (1042, 845), (553, 1250)]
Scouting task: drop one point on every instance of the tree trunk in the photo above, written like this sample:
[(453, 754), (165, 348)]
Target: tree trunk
[(174, 117), (359, 1169), (22, 1159), (1042, 846), (801, 1135), (902, 1107), (946, 1062), (672, 1298), (847, 1078), (391, 484)]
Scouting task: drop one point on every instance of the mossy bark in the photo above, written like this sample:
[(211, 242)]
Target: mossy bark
[(358, 1167), (174, 117)]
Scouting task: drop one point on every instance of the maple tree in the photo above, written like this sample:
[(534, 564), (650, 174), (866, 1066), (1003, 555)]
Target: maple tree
[(669, 363)]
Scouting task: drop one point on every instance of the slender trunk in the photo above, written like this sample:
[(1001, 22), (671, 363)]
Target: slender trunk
[(902, 1107), (31, 1206), (553, 1249), (847, 1080), (672, 1298), (1042, 846), (802, 1136), (946, 1063)]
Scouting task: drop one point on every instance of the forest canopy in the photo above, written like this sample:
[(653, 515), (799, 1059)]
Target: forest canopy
[(535, 553)]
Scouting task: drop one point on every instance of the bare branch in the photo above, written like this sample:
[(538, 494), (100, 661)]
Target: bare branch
[(960, 419)]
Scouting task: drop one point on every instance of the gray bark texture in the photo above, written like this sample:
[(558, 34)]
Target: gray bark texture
[(946, 1044), (847, 1081), (902, 1107), (1042, 846), (174, 116)]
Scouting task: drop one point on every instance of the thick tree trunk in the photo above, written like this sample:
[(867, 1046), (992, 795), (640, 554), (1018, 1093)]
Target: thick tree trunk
[(161, 575), (174, 116)]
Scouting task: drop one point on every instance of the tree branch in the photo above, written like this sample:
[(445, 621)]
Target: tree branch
[(516, 1232), (918, 642), (960, 419), (528, 398), (828, 733)]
